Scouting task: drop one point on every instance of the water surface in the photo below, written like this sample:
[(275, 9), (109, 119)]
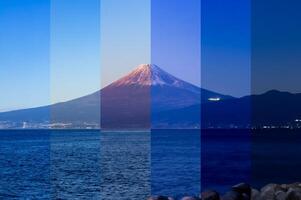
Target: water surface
[(41, 164)]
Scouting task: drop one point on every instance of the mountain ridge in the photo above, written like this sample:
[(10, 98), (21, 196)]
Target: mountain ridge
[(271, 109), (148, 97)]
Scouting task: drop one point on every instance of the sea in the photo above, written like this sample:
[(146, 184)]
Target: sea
[(90, 164)]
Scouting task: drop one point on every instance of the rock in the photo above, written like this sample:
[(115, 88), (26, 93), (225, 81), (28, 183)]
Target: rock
[(210, 195), (280, 195), (268, 192), (232, 195), (158, 198), (162, 198), (255, 194), (188, 198), (170, 198), (245, 196), (271, 186), (284, 187), (294, 185), (293, 194), (242, 188)]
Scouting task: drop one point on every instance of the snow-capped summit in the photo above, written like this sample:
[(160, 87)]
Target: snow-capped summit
[(152, 75), (141, 75)]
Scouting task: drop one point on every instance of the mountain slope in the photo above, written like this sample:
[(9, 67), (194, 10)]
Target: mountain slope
[(81, 112), (132, 101)]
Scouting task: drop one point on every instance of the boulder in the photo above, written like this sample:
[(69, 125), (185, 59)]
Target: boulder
[(210, 195), (189, 198), (293, 194), (232, 195), (284, 187), (245, 196), (294, 185), (268, 192), (280, 195), (255, 194), (242, 188)]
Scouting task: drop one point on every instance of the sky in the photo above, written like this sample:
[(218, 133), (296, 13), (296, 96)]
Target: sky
[(276, 43), (49, 52), (175, 38), (150, 32), (226, 46), (74, 48), (24, 53), (53, 51), (125, 37)]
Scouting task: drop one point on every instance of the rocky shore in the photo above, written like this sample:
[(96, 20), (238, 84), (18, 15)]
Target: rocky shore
[(244, 191)]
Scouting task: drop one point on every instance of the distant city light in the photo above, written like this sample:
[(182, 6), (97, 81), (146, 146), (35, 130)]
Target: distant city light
[(214, 99)]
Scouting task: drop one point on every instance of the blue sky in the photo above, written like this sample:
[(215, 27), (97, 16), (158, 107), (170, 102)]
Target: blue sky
[(175, 38), (276, 30), (226, 50), (74, 48), (125, 37), (56, 51), (24, 53)]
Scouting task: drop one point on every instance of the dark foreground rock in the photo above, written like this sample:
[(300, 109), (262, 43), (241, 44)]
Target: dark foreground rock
[(244, 191), (160, 198), (210, 195), (279, 192), (242, 188)]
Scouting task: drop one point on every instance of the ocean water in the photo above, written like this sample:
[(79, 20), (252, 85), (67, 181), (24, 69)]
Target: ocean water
[(41, 164), (226, 158), (276, 157), (175, 162)]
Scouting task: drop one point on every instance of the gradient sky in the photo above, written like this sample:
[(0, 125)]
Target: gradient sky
[(74, 48), (52, 52), (276, 45), (125, 37), (24, 53), (226, 40), (175, 38)]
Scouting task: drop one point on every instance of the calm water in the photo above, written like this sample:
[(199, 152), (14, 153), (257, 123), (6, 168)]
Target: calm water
[(225, 158), (175, 162), (276, 157), (133, 165)]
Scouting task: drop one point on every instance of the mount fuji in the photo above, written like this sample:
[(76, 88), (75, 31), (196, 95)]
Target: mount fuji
[(135, 101)]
